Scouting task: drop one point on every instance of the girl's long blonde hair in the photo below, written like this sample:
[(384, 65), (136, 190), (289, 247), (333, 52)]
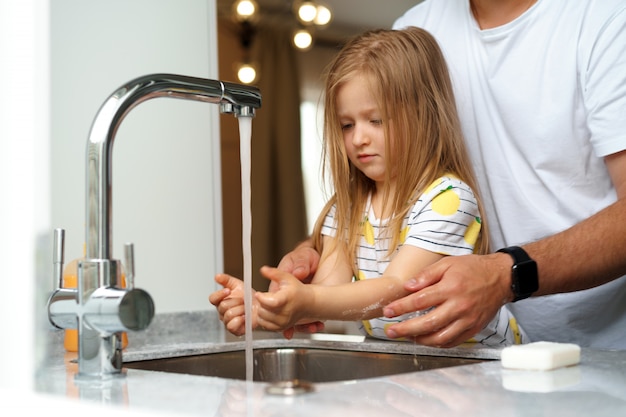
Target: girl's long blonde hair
[(409, 77)]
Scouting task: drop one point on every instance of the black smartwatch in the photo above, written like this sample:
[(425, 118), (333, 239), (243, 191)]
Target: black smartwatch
[(524, 278)]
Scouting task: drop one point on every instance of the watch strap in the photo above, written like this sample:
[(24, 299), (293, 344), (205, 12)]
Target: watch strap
[(518, 254), (524, 279)]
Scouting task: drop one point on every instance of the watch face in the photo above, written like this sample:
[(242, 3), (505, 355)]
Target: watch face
[(525, 281)]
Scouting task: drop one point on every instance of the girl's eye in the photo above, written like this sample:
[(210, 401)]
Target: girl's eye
[(376, 122), (346, 126)]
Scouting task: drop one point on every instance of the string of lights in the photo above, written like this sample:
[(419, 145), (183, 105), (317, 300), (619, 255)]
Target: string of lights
[(309, 15)]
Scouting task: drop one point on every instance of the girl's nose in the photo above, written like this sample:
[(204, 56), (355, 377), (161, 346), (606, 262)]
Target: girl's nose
[(360, 136)]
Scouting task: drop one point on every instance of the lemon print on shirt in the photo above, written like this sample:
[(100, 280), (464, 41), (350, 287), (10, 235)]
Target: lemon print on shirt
[(471, 234), (403, 234), (360, 277), (368, 231), (367, 326), (447, 202)]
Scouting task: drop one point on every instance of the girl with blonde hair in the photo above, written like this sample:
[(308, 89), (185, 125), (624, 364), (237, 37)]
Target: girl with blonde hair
[(405, 194)]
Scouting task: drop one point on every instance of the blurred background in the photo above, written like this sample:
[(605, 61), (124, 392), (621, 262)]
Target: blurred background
[(287, 188)]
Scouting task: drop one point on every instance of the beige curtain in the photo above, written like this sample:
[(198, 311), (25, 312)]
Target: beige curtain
[(278, 206)]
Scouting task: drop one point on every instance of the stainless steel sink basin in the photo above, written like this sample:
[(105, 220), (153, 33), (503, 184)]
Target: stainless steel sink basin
[(301, 363)]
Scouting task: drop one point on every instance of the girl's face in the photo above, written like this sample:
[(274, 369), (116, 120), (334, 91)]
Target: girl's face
[(362, 128)]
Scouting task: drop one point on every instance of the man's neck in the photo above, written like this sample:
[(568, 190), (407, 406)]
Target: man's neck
[(493, 13)]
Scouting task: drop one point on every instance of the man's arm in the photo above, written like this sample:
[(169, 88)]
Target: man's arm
[(590, 253), (469, 290)]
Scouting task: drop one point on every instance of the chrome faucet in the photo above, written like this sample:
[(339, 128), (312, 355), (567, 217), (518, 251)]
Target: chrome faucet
[(100, 308)]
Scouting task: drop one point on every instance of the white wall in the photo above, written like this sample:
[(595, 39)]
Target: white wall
[(46, 108), (166, 182), (24, 189)]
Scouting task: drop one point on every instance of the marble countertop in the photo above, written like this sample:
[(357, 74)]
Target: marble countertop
[(597, 386)]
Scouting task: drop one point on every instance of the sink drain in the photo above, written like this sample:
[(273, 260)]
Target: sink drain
[(287, 388)]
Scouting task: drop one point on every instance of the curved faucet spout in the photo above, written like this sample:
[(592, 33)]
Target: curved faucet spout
[(241, 100)]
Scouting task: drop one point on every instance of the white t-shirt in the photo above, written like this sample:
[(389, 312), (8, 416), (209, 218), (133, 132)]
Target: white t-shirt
[(541, 100)]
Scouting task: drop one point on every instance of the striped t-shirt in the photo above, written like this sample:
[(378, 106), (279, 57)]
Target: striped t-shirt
[(445, 219)]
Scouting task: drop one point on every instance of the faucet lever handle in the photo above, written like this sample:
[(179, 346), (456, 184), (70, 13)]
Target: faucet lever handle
[(129, 259), (58, 256)]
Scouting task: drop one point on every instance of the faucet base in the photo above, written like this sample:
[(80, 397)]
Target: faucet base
[(104, 380)]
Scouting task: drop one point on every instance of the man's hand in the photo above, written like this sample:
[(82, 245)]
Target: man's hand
[(466, 291), (301, 262)]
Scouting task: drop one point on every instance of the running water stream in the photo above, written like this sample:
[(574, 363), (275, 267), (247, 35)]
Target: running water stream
[(245, 134)]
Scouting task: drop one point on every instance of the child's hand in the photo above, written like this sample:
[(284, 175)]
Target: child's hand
[(284, 306), (229, 302)]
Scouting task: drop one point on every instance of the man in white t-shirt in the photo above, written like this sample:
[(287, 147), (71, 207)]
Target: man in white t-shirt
[(541, 91)]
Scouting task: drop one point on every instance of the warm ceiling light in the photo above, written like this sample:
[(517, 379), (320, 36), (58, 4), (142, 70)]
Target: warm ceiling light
[(245, 9), (246, 73), (307, 11), (303, 39), (322, 16)]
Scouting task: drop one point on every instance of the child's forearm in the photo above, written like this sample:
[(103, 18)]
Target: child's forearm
[(353, 301)]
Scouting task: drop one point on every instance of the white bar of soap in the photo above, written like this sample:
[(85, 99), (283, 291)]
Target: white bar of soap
[(540, 356)]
